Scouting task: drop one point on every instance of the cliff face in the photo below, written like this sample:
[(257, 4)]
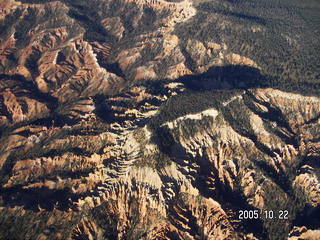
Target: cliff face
[(114, 126)]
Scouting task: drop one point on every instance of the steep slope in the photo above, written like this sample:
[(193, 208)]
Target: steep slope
[(129, 120)]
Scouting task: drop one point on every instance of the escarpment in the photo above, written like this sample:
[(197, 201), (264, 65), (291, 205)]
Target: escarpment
[(124, 119)]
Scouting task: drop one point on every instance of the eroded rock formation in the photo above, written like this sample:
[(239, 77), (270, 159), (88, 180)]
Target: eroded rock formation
[(94, 144)]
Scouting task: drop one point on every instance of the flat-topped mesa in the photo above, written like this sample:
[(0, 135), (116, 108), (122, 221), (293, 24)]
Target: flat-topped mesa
[(162, 3), (184, 8)]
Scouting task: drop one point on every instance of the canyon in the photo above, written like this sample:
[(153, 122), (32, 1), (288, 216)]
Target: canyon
[(115, 125)]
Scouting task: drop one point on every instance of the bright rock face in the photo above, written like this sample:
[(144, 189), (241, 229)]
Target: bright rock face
[(113, 125)]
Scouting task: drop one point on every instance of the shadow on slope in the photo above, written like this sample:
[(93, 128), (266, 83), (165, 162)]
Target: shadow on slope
[(226, 77), (37, 198), (208, 90), (213, 89)]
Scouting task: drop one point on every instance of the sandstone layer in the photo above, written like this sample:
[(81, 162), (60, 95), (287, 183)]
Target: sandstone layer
[(114, 126)]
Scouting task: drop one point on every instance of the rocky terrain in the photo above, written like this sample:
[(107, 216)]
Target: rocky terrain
[(117, 122)]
